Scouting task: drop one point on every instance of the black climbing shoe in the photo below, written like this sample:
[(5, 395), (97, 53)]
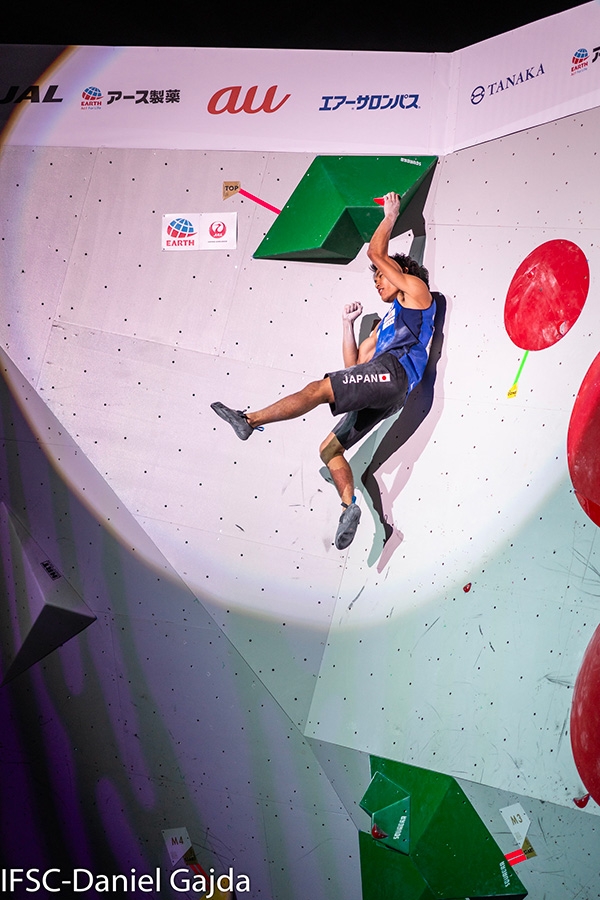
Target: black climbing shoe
[(349, 520), (236, 419)]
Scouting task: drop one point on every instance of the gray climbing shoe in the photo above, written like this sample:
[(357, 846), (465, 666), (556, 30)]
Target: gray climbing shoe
[(235, 418), (349, 520)]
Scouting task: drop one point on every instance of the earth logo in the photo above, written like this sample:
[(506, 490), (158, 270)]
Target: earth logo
[(91, 98), (180, 228), (92, 93), (580, 60)]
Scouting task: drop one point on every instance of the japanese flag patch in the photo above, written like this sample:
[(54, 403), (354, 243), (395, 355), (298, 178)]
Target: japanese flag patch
[(385, 377)]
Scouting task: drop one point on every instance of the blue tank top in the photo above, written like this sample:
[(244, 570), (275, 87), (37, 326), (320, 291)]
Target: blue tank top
[(406, 333)]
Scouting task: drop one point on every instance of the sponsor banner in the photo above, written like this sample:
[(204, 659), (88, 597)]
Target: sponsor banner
[(529, 76), (199, 231), (307, 100), (188, 98)]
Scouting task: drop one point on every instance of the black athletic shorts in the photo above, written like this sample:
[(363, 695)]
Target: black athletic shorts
[(368, 393)]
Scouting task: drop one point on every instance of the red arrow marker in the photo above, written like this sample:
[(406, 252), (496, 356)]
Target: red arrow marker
[(259, 201)]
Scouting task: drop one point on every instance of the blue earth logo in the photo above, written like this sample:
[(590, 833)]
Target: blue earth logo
[(180, 228), (92, 93), (580, 55)]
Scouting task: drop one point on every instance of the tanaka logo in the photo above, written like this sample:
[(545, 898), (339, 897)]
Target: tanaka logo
[(217, 230), (580, 61), (181, 232), (228, 99), (509, 81), (91, 98)]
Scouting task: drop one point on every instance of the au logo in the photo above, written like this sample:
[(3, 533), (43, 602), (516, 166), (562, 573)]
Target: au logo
[(227, 99)]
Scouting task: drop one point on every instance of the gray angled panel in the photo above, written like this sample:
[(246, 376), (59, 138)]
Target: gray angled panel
[(42, 610)]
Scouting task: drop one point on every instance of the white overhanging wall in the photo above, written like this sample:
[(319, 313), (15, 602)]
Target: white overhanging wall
[(375, 650)]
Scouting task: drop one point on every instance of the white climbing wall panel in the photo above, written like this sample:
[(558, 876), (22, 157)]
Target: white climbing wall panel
[(142, 341), (241, 669)]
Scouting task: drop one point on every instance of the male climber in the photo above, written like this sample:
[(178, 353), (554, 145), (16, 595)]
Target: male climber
[(379, 373)]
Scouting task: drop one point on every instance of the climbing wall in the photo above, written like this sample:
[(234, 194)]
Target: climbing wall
[(151, 720), (242, 667), (481, 605)]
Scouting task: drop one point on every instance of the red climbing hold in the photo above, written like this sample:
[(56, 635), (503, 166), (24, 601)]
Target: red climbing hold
[(585, 718), (583, 441), (546, 295)]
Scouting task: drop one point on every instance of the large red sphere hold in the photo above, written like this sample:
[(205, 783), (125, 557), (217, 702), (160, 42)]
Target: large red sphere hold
[(585, 718), (546, 295), (583, 443)]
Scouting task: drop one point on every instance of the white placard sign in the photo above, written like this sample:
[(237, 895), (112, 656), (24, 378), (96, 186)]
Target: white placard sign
[(178, 842), (199, 231), (218, 231), (517, 820)]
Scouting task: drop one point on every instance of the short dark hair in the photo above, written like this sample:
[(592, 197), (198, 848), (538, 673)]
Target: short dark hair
[(411, 265)]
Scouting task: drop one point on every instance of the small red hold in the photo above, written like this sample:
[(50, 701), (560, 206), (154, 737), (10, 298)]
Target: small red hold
[(467, 588), (581, 802), (377, 833)]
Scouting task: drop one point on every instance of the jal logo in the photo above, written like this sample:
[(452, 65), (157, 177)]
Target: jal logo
[(217, 230), (229, 100), (16, 94)]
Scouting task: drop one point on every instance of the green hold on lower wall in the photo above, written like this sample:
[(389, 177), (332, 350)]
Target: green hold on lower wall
[(451, 854), (332, 213)]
